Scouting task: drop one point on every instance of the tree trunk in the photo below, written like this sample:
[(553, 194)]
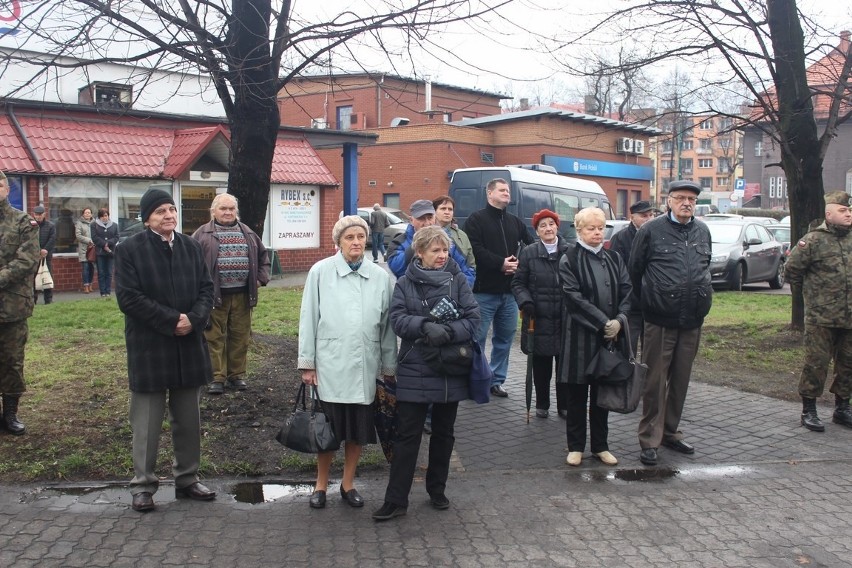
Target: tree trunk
[(797, 129)]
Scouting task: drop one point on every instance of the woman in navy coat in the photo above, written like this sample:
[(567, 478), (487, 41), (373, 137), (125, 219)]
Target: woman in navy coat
[(431, 278)]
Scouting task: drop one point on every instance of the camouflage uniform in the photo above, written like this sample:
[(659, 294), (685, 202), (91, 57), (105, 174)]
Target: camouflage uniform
[(821, 264), (19, 256)]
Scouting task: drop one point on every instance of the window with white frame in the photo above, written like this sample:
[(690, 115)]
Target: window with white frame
[(758, 148), (686, 145), (68, 197), (705, 162), (705, 182), (706, 124), (723, 181), (666, 164), (772, 187), (706, 144)]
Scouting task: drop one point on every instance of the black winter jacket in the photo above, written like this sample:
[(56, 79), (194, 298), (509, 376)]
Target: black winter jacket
[(415, 380), (670, 270), (102, 236), (622, 243), (47, 237), (494, 234), (537, 282)]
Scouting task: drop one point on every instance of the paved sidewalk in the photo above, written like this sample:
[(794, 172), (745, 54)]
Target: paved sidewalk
[(760, 491)]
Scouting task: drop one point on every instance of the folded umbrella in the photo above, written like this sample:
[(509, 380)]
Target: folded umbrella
[(530, 351)]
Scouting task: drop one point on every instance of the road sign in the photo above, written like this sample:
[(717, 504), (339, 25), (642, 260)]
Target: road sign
[(735, 196), (739, 184)]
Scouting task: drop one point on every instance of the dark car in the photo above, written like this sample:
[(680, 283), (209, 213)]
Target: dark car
[(398, 219), (745, 252), (782, 234)]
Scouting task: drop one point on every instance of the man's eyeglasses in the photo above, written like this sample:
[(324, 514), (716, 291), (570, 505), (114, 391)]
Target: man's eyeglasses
[(682, 198)]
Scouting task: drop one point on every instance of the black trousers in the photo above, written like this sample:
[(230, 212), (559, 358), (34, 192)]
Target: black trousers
[(542, 373), (578, 408), (412, 415)]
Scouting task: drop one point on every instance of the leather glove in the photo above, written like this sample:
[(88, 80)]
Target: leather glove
[(611, 329), (435, 334), (528, 310)]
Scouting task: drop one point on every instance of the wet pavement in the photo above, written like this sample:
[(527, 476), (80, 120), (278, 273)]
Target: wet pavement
[(760, 491)]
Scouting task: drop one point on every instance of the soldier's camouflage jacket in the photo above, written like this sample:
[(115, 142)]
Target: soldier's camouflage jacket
[(19, 256), (821, 263)]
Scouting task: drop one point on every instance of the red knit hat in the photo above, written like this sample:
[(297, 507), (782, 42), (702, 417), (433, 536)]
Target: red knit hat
[(544, 213)]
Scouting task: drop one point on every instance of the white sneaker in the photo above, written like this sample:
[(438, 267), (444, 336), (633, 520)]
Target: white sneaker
[(574, 458), (607, 458)]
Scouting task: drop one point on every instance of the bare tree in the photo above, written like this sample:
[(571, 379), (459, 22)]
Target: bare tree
[(249, 48), (761, 48)]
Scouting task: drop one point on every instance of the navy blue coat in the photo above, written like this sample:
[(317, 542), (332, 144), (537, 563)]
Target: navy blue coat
[(415, 380), (154, 285)]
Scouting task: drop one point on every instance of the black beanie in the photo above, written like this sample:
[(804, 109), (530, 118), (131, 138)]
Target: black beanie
[(152, 199)]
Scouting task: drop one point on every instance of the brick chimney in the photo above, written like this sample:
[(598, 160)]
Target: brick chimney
[(844, 42)]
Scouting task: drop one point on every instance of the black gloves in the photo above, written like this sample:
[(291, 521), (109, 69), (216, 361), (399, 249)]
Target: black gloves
[(435, 334), (528, 310)]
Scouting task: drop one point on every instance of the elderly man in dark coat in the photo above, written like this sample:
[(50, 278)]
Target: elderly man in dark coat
[(166, 294)]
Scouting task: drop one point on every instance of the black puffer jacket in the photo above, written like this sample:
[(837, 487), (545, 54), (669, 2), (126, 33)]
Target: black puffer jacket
[(670, 271), (537, 282), (415, 380)]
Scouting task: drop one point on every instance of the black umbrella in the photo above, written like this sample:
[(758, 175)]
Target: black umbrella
[(386, 418), (530, 351)]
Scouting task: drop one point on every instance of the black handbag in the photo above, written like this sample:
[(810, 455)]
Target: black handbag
[(308, 431), (608, 366), (448, 359), (623, 397)]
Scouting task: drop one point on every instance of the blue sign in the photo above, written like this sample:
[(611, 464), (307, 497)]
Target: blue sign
[(594, 168), (739, 184)]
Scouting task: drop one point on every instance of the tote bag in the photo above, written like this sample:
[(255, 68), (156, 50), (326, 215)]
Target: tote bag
[(43, 279)]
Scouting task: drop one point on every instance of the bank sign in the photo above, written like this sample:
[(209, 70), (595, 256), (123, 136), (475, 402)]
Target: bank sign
[(10, 14), (594, 168)]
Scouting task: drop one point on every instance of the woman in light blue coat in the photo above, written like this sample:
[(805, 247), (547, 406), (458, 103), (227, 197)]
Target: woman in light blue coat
[(345, 342)]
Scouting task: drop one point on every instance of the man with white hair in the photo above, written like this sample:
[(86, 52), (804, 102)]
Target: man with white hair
[(238, 264)]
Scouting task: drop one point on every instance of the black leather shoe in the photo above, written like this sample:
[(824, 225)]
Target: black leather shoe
[(679, 446), (498, 390), (648, 456), (195, 491), (215, 388), (237, 384), (352, 497), (317, 500), (440, 502), (389, 511), (143, 502), (563, 414)]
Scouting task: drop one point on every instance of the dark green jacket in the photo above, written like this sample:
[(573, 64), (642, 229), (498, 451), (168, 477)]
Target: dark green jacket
[(19, 257)]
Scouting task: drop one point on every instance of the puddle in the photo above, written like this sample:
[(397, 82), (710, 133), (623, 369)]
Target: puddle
[(659, 474), (257, 492)]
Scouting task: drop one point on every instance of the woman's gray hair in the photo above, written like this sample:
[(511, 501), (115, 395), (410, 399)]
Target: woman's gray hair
[(345, 223), (585, 216), (427, 235)]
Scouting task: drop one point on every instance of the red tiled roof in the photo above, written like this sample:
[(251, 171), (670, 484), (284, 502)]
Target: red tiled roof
[(188, 146), (822, 77), (118, 149), (295, 161)]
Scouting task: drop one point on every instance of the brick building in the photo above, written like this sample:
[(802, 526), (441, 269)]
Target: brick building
[(68, 157), (415, 158)]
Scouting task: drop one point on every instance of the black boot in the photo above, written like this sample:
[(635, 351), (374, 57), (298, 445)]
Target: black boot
[(810, 420), (10, 414), (842, 412)]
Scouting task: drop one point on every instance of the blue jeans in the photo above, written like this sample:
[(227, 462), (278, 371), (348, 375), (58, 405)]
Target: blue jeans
[(502, 309), (378, 244), (88, 270), (105, 273)]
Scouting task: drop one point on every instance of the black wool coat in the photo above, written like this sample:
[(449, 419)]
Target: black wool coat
[(415, 380), (156, 283), (537, 282), (597, 289)]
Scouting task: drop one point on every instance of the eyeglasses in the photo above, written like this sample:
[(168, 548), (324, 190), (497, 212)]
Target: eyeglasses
[(682, 198)]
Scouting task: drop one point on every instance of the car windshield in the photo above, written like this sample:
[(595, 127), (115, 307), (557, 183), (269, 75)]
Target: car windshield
[(780, 233), (724, 233), (393, 218)]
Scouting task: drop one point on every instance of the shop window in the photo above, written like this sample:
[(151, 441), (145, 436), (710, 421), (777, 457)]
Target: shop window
[(67, 199), (194, 207), (129, 194)]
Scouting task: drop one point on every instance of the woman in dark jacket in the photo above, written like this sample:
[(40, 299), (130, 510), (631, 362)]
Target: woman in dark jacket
[(431, 279), (597, 291), (105, 236), (538, 292)]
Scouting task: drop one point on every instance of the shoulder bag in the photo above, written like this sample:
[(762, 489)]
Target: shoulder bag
[(91, 253), (623, 397), (479, 388), (308, 431)]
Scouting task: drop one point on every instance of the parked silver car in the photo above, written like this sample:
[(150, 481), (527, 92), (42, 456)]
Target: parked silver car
[(745, 252), (398, 219)]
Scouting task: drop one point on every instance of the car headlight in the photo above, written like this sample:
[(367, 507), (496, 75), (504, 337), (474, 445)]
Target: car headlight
[(719, 258)]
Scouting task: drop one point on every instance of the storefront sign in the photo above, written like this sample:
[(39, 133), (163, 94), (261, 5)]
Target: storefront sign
[(595, 168), (295, 217)]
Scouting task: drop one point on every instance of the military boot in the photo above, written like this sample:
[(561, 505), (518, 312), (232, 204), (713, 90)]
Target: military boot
[(842, 412), (10, 414), (810, 420)]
